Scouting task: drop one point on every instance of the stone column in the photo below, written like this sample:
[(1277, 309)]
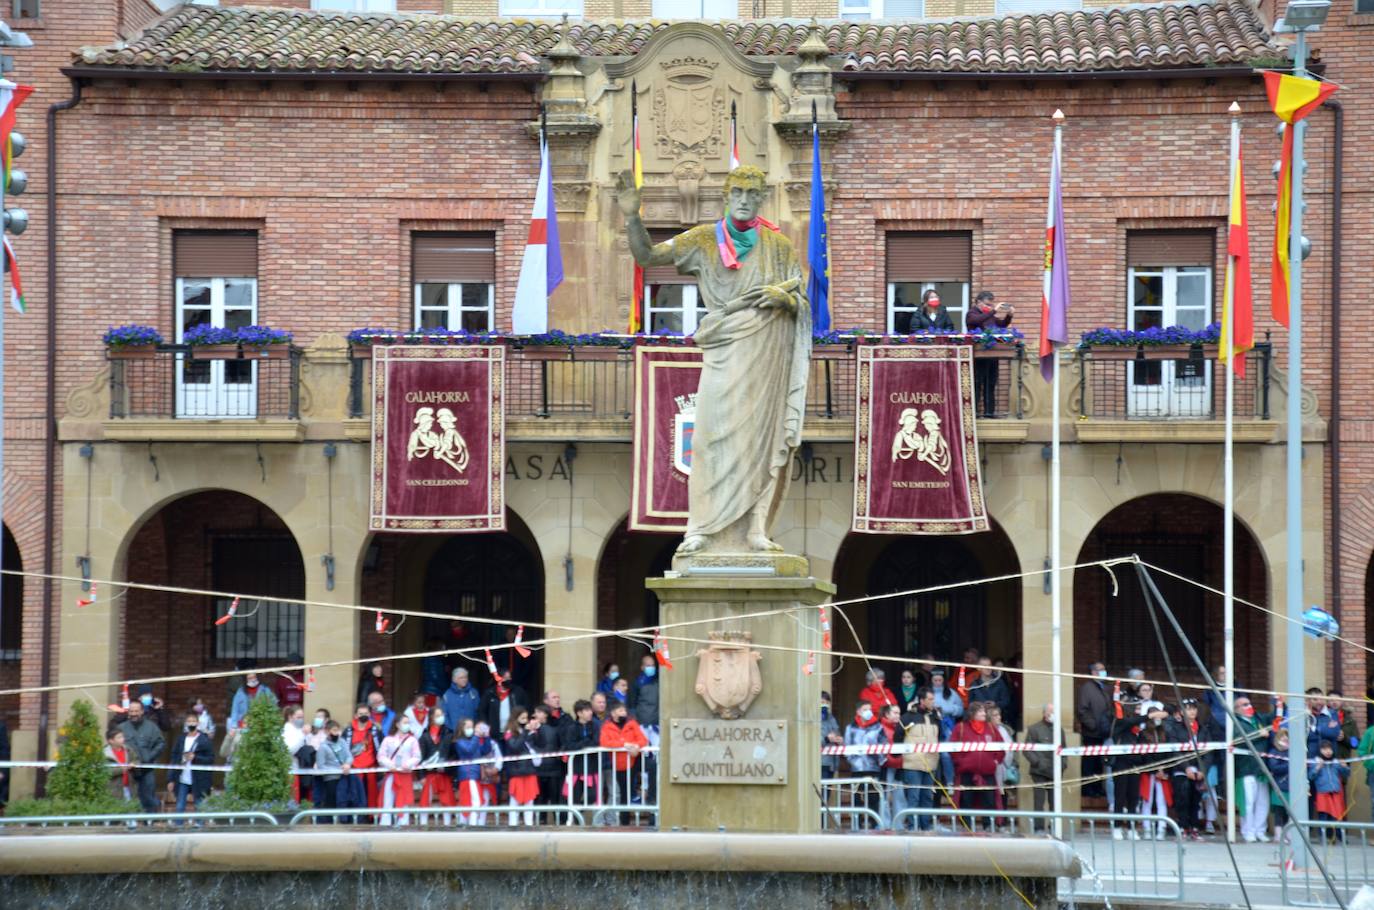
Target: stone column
[(764, 766)]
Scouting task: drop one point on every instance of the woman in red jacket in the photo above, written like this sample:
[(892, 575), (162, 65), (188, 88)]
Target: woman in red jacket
[(975, 772)]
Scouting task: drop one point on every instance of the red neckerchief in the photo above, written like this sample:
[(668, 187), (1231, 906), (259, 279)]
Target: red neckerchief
[(726, 244), (979, 727), (122, 756), (865, 723), (434, 733), (420, 715)]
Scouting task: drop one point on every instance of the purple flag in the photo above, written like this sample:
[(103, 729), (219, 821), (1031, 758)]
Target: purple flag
[(1054, 301)]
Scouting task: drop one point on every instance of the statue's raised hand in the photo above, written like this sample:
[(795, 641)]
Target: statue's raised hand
[(627, 194)]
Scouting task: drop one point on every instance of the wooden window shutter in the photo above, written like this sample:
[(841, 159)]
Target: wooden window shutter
[(930, 256), (453, 258), (1146, 249), (665, 274), (215, 254)]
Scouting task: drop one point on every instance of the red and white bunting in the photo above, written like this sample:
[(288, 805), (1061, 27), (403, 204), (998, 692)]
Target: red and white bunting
[(491, 666), (310, 679), (825, 628), (382, 623), (87, 601), (229, 614), (810, 666), (661, 650), (519, 637)]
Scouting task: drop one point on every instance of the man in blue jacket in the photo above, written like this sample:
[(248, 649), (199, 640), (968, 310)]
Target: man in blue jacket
[(1320, 724), (460, 700)]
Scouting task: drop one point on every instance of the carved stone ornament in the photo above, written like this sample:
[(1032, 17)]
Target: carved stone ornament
[(689, 110), (728, 677)]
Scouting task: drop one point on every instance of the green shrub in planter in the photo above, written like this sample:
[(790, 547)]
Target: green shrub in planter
[(261, 777), (80, 783)]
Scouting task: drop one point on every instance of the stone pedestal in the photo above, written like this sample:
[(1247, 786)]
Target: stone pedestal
[(759, 771)]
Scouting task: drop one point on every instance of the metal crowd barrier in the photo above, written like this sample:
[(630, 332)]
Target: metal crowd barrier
[(438, 816), (133, 820), (1343, 847)]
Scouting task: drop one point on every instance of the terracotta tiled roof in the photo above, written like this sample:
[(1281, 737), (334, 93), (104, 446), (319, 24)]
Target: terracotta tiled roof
[(257, 39)]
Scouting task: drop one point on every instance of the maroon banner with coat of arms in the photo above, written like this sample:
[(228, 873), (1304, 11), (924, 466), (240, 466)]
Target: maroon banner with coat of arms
[(916, 445), (665, 403), (438, 438)]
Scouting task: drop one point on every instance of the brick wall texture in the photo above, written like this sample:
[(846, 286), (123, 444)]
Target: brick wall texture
[(335, 176)]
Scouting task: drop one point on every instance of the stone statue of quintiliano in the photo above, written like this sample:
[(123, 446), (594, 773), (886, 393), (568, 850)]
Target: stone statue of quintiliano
[(756, 348)]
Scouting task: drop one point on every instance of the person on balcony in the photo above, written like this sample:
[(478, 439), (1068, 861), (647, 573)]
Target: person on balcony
[(932, 315), (986, 315)]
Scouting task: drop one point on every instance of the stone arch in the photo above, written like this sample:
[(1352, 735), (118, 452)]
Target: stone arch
[(622, 601), (498, 574), (219, 540), (1182, 532)]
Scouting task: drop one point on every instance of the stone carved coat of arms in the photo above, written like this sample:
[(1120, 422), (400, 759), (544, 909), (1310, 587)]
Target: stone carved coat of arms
[(728, 677), (690, 111)]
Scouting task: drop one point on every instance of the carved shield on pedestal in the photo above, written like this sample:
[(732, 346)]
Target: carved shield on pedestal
[(728, 677)]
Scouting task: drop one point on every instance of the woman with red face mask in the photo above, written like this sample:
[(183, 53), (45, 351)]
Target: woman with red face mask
[(932, 316)]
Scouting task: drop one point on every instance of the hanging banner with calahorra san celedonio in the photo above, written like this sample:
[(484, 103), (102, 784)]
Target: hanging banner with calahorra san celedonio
[(438, 438), (916, 445)]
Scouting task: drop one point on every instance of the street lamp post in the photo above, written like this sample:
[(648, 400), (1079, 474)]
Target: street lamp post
[(1300, 17)]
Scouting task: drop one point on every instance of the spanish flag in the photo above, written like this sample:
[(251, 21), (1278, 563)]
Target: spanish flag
[(1292, 99), (1237, 314), (637, 279)]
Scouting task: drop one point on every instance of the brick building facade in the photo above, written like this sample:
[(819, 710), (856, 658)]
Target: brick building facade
[(339, 143)]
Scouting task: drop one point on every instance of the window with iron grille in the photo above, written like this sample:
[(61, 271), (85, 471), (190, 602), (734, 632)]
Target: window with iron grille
[(266, 566), (1129, 633)]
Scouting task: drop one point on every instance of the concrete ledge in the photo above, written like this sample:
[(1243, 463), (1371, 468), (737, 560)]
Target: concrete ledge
[(1145, 430), (266, 850), (172, 430)]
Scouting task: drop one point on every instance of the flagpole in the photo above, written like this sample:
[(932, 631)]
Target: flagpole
[(1228, 533), (1056, 604)]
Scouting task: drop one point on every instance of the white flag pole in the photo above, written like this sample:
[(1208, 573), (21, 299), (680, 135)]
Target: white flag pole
[(1056, 660), (1228, 533)]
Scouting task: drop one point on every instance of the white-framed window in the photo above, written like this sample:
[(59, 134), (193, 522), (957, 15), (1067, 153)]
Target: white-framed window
[(452, 305), (864, 10), (541, 8), (673, 308), (216, 285), (356, 6), (1030, 7), (695, 9), (920, 261), (454, 280), (904, 300), (1159, 297)]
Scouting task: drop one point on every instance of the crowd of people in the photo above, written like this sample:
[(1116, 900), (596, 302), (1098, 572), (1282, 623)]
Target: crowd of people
[(450, 753)]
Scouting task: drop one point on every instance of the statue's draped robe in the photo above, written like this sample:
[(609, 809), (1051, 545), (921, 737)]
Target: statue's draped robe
[(752, 396)]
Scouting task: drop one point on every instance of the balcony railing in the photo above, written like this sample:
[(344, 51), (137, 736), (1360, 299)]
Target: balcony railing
[(171, 382), (1176, 383), (569, 387)]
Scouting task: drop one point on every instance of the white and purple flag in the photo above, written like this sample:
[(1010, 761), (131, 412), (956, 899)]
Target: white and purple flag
[(541, 269), (1054, 302)]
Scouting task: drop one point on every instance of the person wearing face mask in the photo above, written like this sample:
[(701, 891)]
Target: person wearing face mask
[(418, 713), (865, 730), (153, 708), (461, 701), (986, 315), (609, 674), (1156, 795), (383, 718), (1254, 733), (145, 744), (623, 734), (620, 691), (289, 687), (205, 723), (932, 315), (991, 687), (501, 702), (1094, 714), (399, 754), (436, 746), (332, 756), (302, 753), (252, 688), (830, 736), (192, 748), (976, 771), (362, 738), (473, 745), (1125, 779), (584, 771), (1187, 774)]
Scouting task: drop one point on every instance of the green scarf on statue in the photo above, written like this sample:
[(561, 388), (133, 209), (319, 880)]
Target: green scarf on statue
[(744, 240)]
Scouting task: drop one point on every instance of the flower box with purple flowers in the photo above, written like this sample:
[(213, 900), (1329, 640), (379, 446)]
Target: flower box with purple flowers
[(131, 342), (1173, 342)]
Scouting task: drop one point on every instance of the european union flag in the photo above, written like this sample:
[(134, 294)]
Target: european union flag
[(817, 254)]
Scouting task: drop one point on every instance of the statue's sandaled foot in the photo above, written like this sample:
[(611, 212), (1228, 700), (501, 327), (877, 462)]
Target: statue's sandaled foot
[(762, 543), (691, 545)]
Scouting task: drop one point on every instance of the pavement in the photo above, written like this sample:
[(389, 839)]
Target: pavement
[(1148, 871)]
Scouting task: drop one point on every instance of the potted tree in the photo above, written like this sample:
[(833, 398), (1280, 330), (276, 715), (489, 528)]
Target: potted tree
[(260, 780), (131, 342), (80, 783)]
